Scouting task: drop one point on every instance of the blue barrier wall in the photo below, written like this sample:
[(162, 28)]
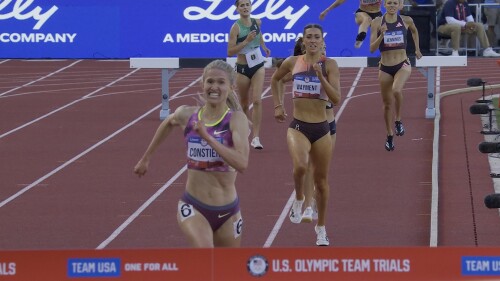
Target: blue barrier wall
[(165, 28)]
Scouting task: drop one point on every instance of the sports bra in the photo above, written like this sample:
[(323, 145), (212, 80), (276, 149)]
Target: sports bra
[(306, 83), (395, 37)]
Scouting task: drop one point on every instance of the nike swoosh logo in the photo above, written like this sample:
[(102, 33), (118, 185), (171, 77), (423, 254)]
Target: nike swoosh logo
[(219, 132), (221, 216)]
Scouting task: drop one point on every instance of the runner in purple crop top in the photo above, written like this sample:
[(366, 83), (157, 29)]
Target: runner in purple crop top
[(216, 136)]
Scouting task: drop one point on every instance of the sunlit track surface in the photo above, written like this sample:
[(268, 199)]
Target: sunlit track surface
[(71, 132)]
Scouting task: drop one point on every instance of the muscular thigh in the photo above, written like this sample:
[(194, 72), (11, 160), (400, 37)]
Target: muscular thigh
[(321, 154), (385, 81), (298, 146), (401, 77), (257, 84), (243, 83), (229, 234), (362, 16)]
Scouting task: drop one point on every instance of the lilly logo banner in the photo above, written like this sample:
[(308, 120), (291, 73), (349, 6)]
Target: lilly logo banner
[(161, 28)]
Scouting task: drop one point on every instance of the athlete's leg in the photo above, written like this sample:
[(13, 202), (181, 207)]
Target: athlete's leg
[(386, 81), (363, 20), (397, 88), (321, 154), (257, 85), (243, 85), (299, 147), (195, 226), (229, 234)]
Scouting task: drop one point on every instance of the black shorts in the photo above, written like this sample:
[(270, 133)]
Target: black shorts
[(312, 131), (247, 71), (393, 69), (372, 15)]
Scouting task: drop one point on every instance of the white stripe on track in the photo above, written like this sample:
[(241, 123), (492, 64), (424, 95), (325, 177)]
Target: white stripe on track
[(286, 209), (146, 204), (40, 79), (143, 207), (67, 105), (46, 176)]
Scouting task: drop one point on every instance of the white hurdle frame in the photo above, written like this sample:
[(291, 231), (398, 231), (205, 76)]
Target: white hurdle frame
[(426, 65)]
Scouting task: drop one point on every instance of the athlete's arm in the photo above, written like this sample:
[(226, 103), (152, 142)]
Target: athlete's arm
[(177, 119), (376, 39), (262, 43)]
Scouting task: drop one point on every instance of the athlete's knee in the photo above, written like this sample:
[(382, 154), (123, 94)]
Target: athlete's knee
[(257, 102), (387, 104), (300, 169), (397, 91), (322, 187)]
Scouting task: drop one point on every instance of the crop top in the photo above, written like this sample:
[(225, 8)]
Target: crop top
[(200, 156)]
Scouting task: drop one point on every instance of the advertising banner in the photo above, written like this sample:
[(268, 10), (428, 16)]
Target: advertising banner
[(162, 28), (287, 264)]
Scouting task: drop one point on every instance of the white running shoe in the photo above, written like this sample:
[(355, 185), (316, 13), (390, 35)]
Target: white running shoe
[(321, 237), (256, 143), (488, 52), (296, 211), (307, 216)]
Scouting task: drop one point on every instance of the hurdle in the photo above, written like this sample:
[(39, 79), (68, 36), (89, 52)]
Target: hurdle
[(427, 65)]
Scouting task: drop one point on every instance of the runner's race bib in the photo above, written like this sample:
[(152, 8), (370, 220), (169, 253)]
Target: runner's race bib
[(254, 57), (394, 38)]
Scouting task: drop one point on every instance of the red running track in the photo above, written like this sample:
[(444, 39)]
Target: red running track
[(71, 132)]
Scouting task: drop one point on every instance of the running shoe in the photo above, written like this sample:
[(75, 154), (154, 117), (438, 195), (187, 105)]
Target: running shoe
[(400, 129), (321, 237), (296, 211), (389, 144), (307, 216), (256, 143)]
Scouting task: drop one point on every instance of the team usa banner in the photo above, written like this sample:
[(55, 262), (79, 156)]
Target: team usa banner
[(287, 264), (162, 28)]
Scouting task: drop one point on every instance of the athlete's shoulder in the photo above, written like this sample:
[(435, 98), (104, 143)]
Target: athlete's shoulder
[(331, 64), (182, 114)]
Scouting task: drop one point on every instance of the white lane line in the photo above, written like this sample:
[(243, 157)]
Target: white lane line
[(143, 207), (67, 105), (46, 176), (41, 78), (286, 209), (148, 202), (4, 61)]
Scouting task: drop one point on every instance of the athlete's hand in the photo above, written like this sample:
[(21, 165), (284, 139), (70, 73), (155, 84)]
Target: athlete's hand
[(201, 130), (323, 15), (418, 54), (251, 36), (383, 29), (267, 51), (141, 167), (317, 69), (279, 114)]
